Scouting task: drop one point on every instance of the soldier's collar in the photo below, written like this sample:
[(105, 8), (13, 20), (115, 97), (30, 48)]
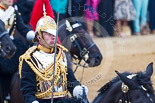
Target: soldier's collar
[(2, 7), (47, 50)]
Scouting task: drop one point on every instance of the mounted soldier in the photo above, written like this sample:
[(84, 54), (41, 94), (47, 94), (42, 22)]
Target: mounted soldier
[(12, 19), (45, 70)]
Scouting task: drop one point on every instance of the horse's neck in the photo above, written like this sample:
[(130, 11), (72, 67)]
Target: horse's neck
[(62, 32), (109, 95)]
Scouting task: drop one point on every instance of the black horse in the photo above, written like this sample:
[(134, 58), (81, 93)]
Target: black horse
[(77, 40), (125, 88), (7, 47), (90, 53), (128, 88)]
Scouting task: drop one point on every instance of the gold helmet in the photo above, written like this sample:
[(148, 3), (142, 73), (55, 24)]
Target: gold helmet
[(46, 24)]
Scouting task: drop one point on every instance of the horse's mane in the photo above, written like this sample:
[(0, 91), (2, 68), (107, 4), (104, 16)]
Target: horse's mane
[(141, 78), (110, 83)]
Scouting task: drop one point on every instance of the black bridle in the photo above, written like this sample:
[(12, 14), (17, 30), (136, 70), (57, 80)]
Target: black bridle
[(84, 52), (126, 93), (73, 38)]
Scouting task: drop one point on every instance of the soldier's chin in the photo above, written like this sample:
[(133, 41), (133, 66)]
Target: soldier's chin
[(10, 4), (52, 46)]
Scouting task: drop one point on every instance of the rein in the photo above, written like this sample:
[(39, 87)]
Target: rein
[(2, 34), (78, 64)]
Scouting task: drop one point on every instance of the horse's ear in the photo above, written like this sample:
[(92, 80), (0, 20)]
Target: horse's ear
[(129, 82), (149, 69)]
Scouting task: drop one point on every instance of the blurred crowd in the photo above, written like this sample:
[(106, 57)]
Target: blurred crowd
[(103, 17)]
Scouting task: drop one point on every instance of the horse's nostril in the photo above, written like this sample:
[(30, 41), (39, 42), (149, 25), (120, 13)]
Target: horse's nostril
[(98, 59)]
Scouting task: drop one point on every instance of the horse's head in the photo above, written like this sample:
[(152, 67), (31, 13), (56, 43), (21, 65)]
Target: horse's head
[(139, 86), (128, 88), (7, 47), (74, 37)]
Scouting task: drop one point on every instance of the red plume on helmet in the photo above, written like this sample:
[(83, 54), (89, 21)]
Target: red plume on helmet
[(37, 12), (14, 1)]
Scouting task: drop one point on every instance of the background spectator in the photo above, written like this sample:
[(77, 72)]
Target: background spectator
[(152, 16), (141, 7), (78, 7), (91, 14), (59, 6), (105, 11), (25, 8), (123, 12)]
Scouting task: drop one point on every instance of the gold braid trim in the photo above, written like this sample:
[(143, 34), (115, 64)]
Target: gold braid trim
[(25, 56), (34, 67), (62, 47), (45, 75)]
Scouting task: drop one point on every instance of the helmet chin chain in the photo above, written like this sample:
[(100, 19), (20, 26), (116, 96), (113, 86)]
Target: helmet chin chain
[(44, 42)]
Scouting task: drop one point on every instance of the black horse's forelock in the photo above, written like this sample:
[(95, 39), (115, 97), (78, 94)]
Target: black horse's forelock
[(141, 78), (145, 80)]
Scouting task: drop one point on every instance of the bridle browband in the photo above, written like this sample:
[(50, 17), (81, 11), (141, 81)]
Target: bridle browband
[(125, 90)]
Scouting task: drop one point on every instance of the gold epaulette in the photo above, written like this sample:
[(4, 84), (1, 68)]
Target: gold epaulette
[(25, 56), (62, 47)]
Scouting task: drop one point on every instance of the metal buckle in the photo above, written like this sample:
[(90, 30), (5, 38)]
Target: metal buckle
[(84, 51), (84, 54), (125, 88), (72, 38)]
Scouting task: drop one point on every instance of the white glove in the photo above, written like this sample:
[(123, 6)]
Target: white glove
[(78, 91), (30, 35), (35, 101)]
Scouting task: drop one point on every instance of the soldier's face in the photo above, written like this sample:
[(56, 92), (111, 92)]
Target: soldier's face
[(6, 3), (48, 38), (9, 2)]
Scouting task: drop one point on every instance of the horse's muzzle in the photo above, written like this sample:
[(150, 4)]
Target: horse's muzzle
[(8, 52), (95, 61)]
